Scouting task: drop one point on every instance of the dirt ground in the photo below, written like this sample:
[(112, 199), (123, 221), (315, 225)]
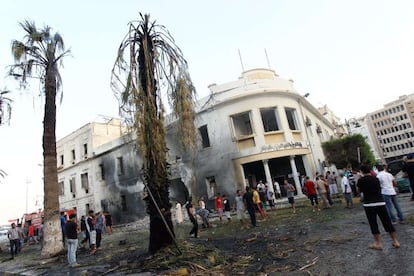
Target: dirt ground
[(330, 242)]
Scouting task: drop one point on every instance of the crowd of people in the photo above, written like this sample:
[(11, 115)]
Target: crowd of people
[(20, 236), (86, 233), (76, 234), (375, 188)]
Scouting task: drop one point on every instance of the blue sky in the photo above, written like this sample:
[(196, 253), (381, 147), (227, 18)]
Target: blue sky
[(352, 55)]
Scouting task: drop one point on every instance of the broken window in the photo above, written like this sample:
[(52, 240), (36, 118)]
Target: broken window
[(205, 140), (123, 203), (102, 170), (85, 182), (85, 150), (120, 165), (242, 125), (318, 129), (291, 118), (211, 186), (61, 188), (72, 184), (269, 119)]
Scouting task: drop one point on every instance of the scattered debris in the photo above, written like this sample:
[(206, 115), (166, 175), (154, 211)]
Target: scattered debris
[(251, 238), (311, 264)]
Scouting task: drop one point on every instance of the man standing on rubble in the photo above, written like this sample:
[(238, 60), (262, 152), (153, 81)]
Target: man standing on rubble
[(14, 238)]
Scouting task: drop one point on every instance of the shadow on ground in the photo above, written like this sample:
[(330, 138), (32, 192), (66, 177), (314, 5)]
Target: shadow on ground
[(330, 242)]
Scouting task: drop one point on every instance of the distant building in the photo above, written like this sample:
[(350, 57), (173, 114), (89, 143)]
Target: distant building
[(339, 130), (392, 127), (360, 126), (255, 128)]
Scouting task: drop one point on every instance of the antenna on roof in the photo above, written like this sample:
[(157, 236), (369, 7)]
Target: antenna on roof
[(241, 61), (267, 59)]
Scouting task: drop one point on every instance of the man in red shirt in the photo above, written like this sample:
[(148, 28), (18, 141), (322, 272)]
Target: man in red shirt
[(219, 205), (311, 192), (31, 233)]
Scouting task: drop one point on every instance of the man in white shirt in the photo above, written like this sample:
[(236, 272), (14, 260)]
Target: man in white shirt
[(277, 190), (260, 185), (389, 194), (240, 209), (14, 238), (347, 191)]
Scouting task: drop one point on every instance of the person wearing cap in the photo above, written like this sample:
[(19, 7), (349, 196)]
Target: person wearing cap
[(408, 170)]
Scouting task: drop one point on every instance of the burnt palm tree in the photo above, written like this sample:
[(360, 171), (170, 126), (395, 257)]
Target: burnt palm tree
[(148, 69), (39, 55), (5, 107)]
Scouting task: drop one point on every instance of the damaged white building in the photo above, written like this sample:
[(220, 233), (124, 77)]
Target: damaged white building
[(255, 128)]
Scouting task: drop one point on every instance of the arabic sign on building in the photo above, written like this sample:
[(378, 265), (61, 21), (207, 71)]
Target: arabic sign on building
[(283, 146)]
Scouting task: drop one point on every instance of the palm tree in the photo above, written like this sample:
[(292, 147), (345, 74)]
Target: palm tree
[(5, 107), (40, 56), (149, 68)]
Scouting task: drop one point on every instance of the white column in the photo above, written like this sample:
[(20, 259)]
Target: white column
[(295, 175), (243, 188), (268, 176), (284, 124), (308, 166)]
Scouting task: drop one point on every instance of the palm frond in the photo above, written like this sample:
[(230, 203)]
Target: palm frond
[(3, 173), (5, 107), (40, 50), (18, 50)]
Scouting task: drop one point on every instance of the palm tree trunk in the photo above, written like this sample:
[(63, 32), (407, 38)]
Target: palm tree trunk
[(52, 231), (160, 235)]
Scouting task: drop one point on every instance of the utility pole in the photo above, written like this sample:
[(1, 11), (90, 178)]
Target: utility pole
[(359, 155), (27, 194)]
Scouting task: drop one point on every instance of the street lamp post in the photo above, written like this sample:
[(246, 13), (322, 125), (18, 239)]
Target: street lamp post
[(27, 194)]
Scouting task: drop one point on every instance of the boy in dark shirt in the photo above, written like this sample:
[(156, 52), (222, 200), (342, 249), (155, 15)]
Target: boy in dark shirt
[(71, 230), (227, 208), (374, 206), (249, 204)]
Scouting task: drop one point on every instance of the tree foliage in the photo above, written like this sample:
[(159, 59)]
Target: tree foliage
[(5, 107), (39, 55), (343, 152), (150, 68), (3, 174)]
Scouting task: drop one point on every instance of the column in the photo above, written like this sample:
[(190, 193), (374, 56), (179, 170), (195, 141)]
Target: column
[(309, 170), (268, 176), (284, 124), (243, 178), (295, 175)]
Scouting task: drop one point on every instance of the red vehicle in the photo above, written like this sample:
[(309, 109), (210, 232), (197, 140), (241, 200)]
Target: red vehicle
[(34, 218)]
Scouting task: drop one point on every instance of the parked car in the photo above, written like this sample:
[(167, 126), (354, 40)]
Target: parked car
[(395, 168)]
